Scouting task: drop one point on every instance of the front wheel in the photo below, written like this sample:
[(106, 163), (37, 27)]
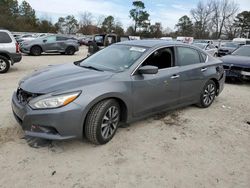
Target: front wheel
[(102, 121), (70, 50), (36, 50), (208, 94), (4, 64)]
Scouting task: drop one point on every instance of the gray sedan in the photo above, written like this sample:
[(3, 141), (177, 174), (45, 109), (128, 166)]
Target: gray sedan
[(50, 44), (122, 83)]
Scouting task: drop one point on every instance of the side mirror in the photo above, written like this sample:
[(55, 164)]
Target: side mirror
[(44, 40), (148, 69)]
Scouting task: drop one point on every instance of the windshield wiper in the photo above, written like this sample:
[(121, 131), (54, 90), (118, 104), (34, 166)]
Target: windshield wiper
[(91, 67)]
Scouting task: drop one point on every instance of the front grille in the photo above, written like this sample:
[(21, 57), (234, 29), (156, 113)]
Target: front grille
[(220, 50), (24, 97)]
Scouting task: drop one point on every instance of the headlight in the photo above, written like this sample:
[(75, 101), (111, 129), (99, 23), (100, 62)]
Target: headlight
[(54, 101)]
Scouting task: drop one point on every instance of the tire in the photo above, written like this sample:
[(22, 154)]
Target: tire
[(99, 127), (208, 94), (36, 50), (70, 50), (4, 64)]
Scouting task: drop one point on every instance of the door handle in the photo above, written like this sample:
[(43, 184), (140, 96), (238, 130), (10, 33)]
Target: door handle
[(203, 69), (175, 76)]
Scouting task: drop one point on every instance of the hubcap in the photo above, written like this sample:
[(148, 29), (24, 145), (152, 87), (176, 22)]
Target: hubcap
[(3, 64), (110, 122), (209, 94)]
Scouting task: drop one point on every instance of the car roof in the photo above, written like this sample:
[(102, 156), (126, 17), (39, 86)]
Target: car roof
[(201, 43), (150, 43)]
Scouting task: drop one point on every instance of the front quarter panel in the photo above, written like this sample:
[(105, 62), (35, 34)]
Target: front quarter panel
[(92, 94)]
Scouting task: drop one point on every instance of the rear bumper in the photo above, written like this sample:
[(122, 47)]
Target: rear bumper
[(15, 58), (54, 124), (221, 83)]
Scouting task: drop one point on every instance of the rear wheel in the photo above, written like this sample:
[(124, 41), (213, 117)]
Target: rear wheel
[(102, 121), (36, 50), (208, 94), (4, 64), (70, 50)]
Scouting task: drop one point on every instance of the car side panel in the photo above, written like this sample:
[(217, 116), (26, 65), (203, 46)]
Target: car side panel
[(155, 92)]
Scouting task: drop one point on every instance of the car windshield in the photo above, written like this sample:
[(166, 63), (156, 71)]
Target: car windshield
[(242, 51), (230, 44), (116, 58), (199, 45)]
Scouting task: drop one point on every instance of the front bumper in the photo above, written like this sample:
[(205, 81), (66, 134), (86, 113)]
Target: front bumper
[(237, 72), (24, 50), (55, 124)]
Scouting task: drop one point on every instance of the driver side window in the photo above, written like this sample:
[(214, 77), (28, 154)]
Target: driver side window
[(162, 58)]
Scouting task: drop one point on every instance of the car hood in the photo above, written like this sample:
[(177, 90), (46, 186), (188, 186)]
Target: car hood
[(230, 49), (61, 77), (242, 61)]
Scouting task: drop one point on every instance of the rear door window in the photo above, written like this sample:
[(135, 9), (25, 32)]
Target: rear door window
[(4, 37), (187, 56)]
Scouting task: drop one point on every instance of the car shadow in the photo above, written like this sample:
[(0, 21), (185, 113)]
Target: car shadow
[(49, 54), (235, 81)]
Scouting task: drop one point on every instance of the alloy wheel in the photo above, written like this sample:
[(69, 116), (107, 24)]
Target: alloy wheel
[(3, 64), (110, 122), (209, 94)]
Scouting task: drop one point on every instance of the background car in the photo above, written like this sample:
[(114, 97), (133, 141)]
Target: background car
[(101, 41), (117, 85), (86, 40), (227, 48), (9, 51), (209, 48), (50, 44), (237, 65)]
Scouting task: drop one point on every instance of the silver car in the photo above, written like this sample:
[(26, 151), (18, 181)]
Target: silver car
[(209, 48), (122, 83), (9, 51), (50, 44)]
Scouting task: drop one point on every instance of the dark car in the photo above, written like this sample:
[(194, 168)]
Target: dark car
[(85, 41), (227, 48), (122, 83), (101, 41), (50, 44), (237, 65)]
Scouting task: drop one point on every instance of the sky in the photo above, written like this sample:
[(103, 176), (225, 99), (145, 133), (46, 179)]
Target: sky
[(165, 11)]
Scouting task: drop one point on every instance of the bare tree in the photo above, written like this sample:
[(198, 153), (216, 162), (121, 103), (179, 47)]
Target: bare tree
[(86, 22), (223, 11), (202, 14)]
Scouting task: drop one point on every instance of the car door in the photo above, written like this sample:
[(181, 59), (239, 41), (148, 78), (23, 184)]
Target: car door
[(191, 67), (61, 43), (50, 44), (153, 92)]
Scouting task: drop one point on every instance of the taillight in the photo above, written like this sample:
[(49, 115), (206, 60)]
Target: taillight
[(17, 48)]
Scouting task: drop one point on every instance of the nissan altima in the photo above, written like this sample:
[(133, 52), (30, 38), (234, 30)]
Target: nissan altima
[(122, 83)]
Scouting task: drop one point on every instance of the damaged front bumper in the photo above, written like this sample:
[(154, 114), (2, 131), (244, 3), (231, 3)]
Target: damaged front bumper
[(237, 72)]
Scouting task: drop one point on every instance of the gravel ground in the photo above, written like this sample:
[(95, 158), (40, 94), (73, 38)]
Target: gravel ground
[(189, 147)]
